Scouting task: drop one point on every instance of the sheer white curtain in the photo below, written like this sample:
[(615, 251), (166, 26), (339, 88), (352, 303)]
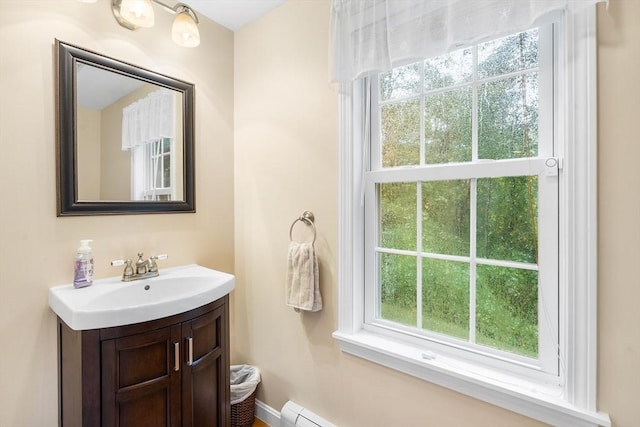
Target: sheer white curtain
[(148, 119), (377, 35)]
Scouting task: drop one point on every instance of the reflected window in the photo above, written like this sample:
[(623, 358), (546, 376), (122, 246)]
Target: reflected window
[(152, 171), (148, 128)]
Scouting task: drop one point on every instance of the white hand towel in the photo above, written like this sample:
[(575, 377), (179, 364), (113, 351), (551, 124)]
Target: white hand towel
[(303, 284)]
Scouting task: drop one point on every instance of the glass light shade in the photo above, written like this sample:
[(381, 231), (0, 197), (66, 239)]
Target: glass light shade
[(138, 12), (185, 30)]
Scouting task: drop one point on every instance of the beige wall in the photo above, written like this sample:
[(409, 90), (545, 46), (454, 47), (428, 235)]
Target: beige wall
[(619, 211), (285, 163), (36, 247)]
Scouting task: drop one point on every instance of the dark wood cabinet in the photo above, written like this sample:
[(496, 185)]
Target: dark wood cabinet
[(167, 372)]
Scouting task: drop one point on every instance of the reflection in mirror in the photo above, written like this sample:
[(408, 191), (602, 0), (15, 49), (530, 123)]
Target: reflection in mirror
[(129, 138), (125, 137)]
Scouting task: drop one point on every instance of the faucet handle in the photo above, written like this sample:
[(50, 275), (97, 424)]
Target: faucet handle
[(152, 261), (128, 269)]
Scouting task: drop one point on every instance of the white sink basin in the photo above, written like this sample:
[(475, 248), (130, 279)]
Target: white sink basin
[(112, 302)]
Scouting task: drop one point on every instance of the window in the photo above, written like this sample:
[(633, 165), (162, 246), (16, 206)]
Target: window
[(462, 203), (151, 167), (467, 221)]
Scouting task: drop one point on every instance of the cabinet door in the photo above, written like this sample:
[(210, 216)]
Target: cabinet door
[(205, 377), (141, 379)]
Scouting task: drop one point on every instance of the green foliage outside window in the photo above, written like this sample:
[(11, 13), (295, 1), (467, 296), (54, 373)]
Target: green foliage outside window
[(441, 119)]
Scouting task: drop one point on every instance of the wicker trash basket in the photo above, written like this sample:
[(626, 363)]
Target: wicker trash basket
[(244, 382), (243, 413)]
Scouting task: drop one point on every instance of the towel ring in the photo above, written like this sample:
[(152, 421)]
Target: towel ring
[(308, 218)]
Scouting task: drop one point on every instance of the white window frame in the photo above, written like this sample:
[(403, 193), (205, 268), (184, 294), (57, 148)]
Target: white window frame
[(573, 402)]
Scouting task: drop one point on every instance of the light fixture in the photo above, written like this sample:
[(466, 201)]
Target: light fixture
[(185, 29), (133, 14)]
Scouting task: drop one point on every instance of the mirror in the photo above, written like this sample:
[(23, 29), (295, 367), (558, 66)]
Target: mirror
[(125, 137)]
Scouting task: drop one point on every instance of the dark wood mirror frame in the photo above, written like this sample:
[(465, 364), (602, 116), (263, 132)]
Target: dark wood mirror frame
[(67, 169)]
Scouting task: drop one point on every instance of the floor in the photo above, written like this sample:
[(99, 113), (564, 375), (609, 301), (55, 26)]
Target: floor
[(259, 423)]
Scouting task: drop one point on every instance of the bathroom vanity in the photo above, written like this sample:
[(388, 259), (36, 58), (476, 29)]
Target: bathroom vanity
[(168, 371)]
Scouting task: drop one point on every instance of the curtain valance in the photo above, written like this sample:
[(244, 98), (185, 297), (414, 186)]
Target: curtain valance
[(148, 119), (377, 35)]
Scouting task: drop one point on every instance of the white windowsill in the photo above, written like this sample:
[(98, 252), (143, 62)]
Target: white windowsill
[(513, 393)]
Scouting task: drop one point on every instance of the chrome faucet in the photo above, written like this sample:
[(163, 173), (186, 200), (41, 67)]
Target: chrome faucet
[(143, 269)]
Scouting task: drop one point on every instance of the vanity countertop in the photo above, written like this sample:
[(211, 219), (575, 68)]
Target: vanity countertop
[(112, 302)]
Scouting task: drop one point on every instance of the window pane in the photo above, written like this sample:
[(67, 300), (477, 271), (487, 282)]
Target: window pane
[(509, 54), (398, 215), (448, 70), (166, 145), (400, 132), (445, 297), (398, 288), (400, 82), (507, 309), (447, 126), (507, 224), (508, 118), (445, 217)]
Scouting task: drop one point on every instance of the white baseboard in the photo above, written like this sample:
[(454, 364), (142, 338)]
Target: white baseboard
[(267, 414)]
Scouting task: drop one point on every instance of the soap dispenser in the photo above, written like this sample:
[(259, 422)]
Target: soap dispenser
[(83, 270)]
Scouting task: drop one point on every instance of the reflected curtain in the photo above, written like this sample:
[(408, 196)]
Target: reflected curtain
[(372, 36), (148, 119)]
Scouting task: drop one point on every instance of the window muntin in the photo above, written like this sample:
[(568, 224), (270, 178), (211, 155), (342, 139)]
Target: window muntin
[(460, 202)]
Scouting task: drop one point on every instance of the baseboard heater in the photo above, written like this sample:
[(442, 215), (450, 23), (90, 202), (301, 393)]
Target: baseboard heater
[(294, 415)]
